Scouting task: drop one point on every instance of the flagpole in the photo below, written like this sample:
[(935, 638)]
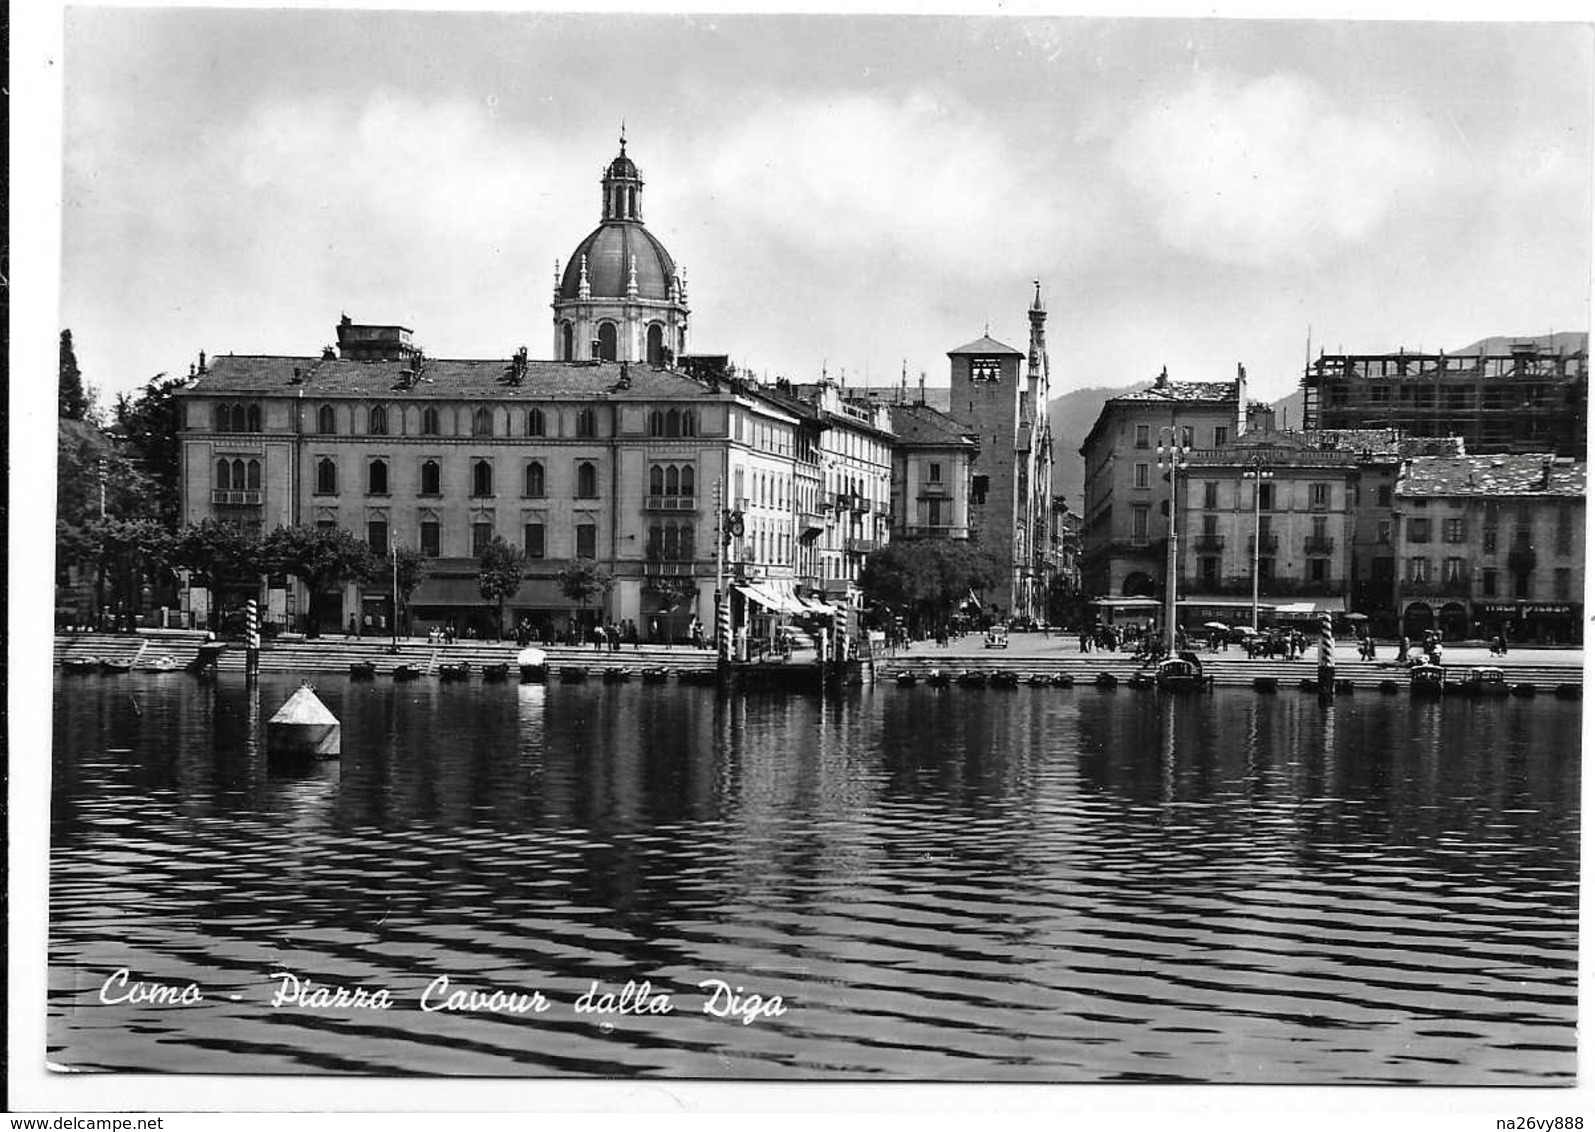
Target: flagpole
[(393, 605)]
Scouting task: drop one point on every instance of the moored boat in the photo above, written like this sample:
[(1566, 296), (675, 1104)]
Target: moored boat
[(617, 675), (495, 672), (1142, 680), (907, 679), (1427, 680), (572, 674), (1063, 680), (163, 663), (972, 678), (111, 665), (1106, 681), (1003, 679), (81, 664), (363, 670), (533, 664), (1183, 673), (1039, 680), (1265, 683), (406, 672), (656, 675), (452, 671), (1485, 682), (938, 678)]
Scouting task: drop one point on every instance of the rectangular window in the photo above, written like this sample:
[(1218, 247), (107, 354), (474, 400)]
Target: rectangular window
[(1417, 530), (935, 472), (1490, 538), (1320, 528), (1220, 435), (1384, 569), (1452, 530), (1138, 519), (481, 535), (977, 489), (377, 537), (1143, 436), (1454, 572), (1210, 495), (1564, 529), (536, 544), (1318, 569), (1418, 570), (431, 539), (1209, 526), (1487, 581), (1265, 570), (1210, 571), (1265, 496), (1384, 495), (586, 540), (1383, 531), (1563, 580), (1143, 475), (1320, 496), (1520, 585), (1187, 436)]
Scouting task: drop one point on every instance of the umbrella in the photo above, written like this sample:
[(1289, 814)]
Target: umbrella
[(1218, 625), (1356, 617), (1246, 629)]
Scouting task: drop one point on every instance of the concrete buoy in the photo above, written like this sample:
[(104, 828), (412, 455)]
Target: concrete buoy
[(304, 726)]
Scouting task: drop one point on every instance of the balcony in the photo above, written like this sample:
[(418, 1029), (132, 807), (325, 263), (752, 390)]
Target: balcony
[(861, 545), (1209, 544), (1268, 544), (236, 498), (686, 568), (935, 530), (1319, 545), (670, 503)]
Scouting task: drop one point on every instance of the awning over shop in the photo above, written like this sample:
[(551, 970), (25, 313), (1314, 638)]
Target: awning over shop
[(1128, 603), (770, 597), (1309, 608), (1221, 603)]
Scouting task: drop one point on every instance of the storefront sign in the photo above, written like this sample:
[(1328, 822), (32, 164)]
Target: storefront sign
[(1529, 609)]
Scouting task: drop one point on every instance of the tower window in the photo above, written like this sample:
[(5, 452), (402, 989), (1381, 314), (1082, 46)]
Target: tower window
[(326, 477), (586, 423), (586, 480), (535, 483), (481, 478), (536, 423), (656, 344), (985, 369), (429, 421), (377, 423), (377, 478), (607, 339), (326, 421), (431, 480), (567, 341)]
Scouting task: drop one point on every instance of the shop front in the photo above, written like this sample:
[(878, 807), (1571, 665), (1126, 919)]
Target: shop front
[(1531, 622)]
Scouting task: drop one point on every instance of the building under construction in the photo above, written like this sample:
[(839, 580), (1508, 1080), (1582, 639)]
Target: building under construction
[(1521, 396)]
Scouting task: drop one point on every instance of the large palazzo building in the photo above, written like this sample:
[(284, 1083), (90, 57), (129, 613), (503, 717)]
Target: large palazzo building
[(614, 453)]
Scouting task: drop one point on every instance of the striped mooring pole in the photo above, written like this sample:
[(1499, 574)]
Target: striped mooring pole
[(251, 640), (1326, 658)]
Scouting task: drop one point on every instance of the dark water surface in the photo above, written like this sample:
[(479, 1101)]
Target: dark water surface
[(1039, 884)]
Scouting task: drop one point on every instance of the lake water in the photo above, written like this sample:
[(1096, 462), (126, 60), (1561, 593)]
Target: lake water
[(1032, 884)]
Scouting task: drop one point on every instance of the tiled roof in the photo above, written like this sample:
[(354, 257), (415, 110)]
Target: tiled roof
[(1534, 474), (985, 345), (490, 378), (1363, 441), (921, 424), (1183, 391)]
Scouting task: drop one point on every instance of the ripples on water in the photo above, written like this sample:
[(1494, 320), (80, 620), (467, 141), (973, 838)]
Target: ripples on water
[(1028, 885)]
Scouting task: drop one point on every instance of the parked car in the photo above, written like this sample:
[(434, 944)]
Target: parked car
[(996, 637)]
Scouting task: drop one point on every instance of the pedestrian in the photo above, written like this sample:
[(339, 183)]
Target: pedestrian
[(349, 632), (598, 637)]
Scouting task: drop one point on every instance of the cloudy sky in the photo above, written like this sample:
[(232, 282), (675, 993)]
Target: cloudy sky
[(855, 192)]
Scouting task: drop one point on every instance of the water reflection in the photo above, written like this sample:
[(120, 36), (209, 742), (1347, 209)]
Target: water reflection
[(1026, 884)]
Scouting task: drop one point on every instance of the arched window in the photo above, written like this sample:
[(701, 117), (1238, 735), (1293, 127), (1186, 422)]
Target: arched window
[(254, 475), (686, 480), (481, 477), (534, 480), (224, 475), (567, 341), (656, 344), (656, 480), (377, 424), (587, 423), (429, 421), (238, 475), (672, 541), (326, 420), (252, 418), (656, 423), (431, 480), (224, 419), (377, 478), (482, 423), (586, 480), (672, 480), (536, 423), (689, 423), (673, 423), (326, 476), (631, 202), (606, 341), (240, 419)]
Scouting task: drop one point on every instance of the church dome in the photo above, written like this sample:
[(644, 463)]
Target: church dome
[(610, 250)]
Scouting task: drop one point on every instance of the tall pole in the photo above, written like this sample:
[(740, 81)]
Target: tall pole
[(1257, 533), (1174, 550), (722, 600), (393, 610)]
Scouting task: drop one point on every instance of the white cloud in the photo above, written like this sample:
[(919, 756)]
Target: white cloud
[(1270, 172)]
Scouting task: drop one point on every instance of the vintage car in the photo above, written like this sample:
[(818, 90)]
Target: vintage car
[(997, 637)]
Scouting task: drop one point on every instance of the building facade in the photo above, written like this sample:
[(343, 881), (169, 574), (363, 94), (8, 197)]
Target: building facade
[(1124, 536), (931, 469), (1492, 544), (1528, 397)]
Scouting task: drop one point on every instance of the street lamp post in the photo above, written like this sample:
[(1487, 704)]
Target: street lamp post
[(1172, 458), (1257, 475)]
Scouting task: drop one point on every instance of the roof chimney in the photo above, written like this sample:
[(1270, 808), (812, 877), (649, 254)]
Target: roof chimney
[(1163, 378)]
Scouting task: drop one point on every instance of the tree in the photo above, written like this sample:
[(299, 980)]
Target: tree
[(74, 399), (218, 552), (99, 491), (926, 579), (322, 558), (581, 583), (409, 574), (150, 423), (500, 572)]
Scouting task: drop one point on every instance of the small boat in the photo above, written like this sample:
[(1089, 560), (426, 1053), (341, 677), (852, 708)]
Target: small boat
[(363, 670), (495, 672), (1389, 687), (81, 664), (656, 675), (1485, 682), (455, 671), (1106, 681), (1063, 680), (165, 663), (1142, 680), (533, 664), (938, 678), (1039, 680), (1183, 673), (1265, 683), (406, 672), (1569, 691), (907, 679), (1004, 679), (572, 674), (617, 675), (115, 666), (1527, 691), (1427, 680), (972, 678)]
